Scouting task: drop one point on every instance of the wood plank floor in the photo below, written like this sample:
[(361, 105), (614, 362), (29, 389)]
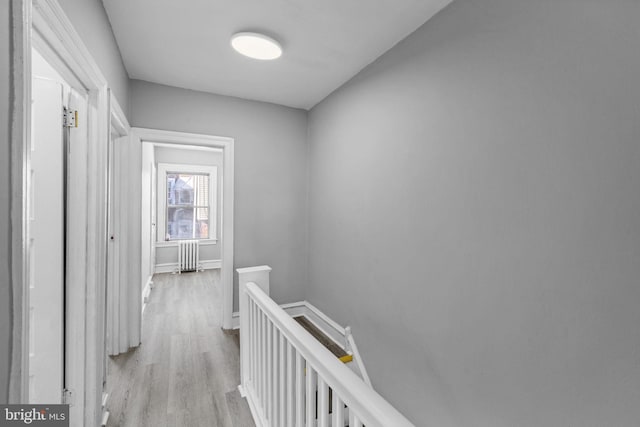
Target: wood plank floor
[(186, 372)]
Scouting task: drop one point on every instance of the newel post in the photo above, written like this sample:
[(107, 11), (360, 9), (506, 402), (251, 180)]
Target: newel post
[(260, 276)]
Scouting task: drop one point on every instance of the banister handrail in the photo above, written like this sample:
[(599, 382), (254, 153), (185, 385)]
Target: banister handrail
[(371, 408)]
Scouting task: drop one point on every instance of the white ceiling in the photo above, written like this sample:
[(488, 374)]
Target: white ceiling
[(186, 43)]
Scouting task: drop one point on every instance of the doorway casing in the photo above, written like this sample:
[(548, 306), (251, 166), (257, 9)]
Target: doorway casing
[(226, 233), (43, 24)]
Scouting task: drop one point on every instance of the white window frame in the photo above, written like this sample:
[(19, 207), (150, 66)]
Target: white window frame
[(163, 169)]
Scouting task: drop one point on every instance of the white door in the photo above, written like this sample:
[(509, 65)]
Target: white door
[(154, 216), (76, 184), (113, 253), (46, 240)]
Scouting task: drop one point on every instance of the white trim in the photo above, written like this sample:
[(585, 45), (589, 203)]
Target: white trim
[(319, 317), (174, 243), (119, 120), (211, 264), (251, 270), (163, 169), (146, 292), (295, 309), (323, 322), (56, 38), (182, 138), (258, 418), (304, 308), (190, 148), (20, 165), (124, 328), (364, 403), (171, 267), (356, 355), (226, 211), (235, 321), (339, 335)]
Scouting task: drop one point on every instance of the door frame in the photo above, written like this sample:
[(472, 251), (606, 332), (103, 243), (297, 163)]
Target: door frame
[(122, 304), (226, 233), (44, 25)]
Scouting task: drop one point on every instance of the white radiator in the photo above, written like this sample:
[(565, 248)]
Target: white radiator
[(189, 255)]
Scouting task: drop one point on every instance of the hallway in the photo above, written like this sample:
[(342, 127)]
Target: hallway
[(186, 371)]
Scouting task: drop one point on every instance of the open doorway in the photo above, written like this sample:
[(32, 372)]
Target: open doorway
[(169, 158), (187, 204)]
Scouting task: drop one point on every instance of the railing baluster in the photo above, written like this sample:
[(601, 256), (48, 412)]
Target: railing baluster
[(290, 385), (255, 348), (282, 382), (275, 376), (252, 335), (251, 332), (300, 369), (265, 372), (292, 380), (259, 357), (338, 411), (269, 370), (323, 403), (311, 396)]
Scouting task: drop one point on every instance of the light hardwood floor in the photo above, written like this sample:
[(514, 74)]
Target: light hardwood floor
[(186, 372)]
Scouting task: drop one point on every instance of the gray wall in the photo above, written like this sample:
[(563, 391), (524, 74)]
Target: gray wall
[(193, 157), (270, 172), (5, 197), (90, 20), (474, 215)]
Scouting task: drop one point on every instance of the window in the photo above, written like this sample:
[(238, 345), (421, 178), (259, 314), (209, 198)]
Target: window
[(188, 205)]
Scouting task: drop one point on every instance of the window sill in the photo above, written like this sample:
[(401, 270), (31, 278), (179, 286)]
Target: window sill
[(173, 243)]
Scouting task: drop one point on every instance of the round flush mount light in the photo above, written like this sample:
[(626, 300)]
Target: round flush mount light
[(256, 45)]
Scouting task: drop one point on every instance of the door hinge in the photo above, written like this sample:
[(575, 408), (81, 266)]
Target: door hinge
[(67, 397), (69, 118)]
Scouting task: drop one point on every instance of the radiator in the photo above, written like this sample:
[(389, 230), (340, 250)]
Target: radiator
[(189, 255)]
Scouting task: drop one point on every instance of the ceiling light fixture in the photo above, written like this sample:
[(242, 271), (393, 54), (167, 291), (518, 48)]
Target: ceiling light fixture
[(256, 45)]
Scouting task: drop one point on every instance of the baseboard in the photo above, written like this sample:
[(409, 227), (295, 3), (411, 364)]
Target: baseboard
[(325, 324), (293, 309), (235, 320), (165, 268), (258, 418), (212, 264), (315, 316), (146, 292), (170, 267), (105, 412)]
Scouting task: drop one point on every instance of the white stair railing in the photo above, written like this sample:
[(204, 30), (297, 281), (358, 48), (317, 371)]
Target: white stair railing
[(290, 379)]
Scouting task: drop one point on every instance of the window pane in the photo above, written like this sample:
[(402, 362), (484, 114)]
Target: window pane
[(201, 190), (201, 230), (187, 189), (180, 223)]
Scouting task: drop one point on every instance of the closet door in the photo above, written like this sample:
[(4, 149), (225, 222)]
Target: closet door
[(46, 244)]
